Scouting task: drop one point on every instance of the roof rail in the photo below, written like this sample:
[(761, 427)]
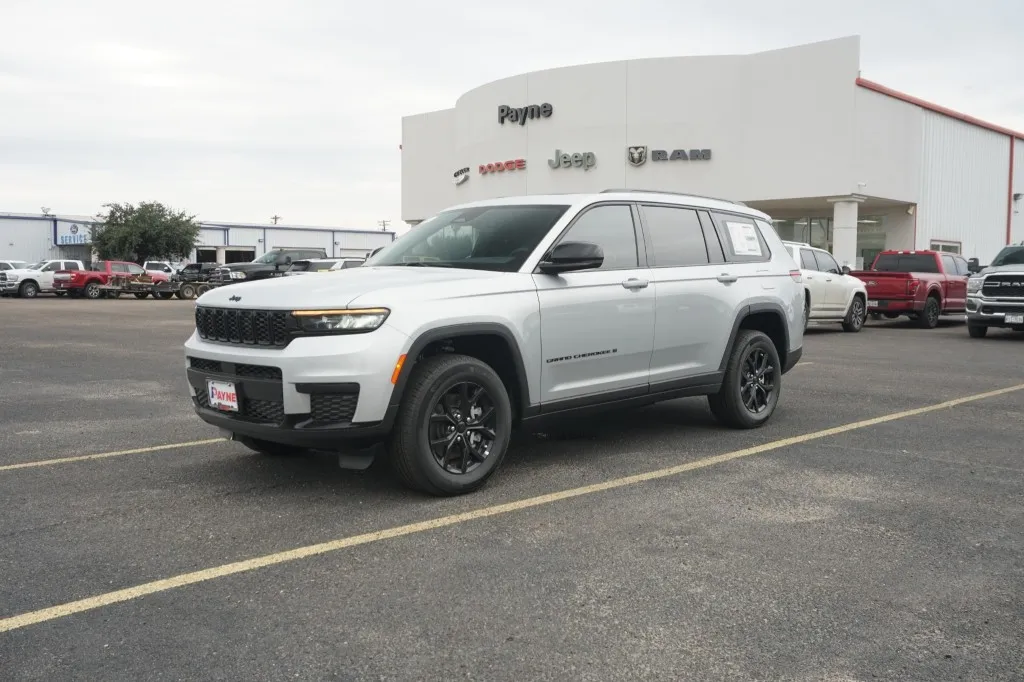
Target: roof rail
[(679, 194)]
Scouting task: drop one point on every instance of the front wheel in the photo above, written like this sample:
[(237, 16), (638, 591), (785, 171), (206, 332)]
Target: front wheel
[(976, 331), (28, 290), (752, 383), (453, 428), (855, 318)]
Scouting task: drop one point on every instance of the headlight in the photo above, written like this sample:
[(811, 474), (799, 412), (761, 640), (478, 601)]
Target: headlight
[(12, 278), (974, 284), (352, 321), (237, 275)]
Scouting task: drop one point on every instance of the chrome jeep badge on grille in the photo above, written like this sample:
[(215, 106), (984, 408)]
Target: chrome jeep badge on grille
[(235, 298)]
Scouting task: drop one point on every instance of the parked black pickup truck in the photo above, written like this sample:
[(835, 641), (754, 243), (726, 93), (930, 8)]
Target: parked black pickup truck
[(271, 264), (193, 275)]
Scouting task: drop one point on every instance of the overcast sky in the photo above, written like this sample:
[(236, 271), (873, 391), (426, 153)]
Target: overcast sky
[(239, 110)]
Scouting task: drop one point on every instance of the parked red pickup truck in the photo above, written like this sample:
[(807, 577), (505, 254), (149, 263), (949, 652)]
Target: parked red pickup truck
[(88, 282), (919, 284)]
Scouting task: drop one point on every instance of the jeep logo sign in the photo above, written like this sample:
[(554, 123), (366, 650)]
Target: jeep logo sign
[(584, 160), (521, 114), (680, 155)]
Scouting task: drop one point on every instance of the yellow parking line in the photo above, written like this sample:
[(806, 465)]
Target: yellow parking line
[(127, 594), (104, 455)]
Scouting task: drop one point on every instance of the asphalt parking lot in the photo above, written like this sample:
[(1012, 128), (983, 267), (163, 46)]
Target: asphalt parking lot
[(884, 549)]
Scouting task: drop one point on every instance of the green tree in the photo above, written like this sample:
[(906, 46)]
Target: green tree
[(144, 232)]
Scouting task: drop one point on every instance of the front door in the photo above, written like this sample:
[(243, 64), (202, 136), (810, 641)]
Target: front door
[(835, 287), (597, 326), (956, 287)]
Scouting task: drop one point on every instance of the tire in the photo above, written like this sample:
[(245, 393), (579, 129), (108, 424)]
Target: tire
[(434, 381), (807, 310), (141, 295), (271, 449), (929, 317), (92, 291), (187, 291), (728, 404), (28, 290), (164, 295), (854, 321), (202, 289), (977, 332)]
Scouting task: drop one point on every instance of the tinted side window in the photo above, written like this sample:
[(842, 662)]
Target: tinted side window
[(676, 236), (961, 266), (70, 265), (741, 238), (136, 269), (118, 267), (948, 264), (826, 263), (807, 261), (611, 228), (52, 267)]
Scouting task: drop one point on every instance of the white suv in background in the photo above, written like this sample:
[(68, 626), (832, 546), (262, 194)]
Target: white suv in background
[(830, 293)]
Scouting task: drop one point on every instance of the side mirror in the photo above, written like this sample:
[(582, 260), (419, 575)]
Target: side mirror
[(847, 270), (973, 265), (572, 256)]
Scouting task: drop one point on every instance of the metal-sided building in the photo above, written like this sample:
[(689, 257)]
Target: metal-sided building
[(837, 160), (35, 237)]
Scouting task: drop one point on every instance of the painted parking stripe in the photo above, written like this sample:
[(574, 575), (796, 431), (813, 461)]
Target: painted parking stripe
[(205, 575), (105, 455)]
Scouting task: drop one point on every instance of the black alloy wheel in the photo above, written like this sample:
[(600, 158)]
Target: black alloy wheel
[(462, 429), (858, 314), (757, 383), (929, 317)]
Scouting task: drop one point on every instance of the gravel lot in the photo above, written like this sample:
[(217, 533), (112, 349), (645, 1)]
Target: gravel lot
[(894, 550)]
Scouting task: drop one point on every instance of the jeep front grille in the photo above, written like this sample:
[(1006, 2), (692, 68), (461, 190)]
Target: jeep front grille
[(251, 327), (1003, 286)]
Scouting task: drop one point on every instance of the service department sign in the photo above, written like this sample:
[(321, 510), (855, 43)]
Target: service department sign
[(70, 234)]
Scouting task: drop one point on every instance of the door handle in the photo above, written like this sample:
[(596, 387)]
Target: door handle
[(726, 278), (828, 279), (634, 283)]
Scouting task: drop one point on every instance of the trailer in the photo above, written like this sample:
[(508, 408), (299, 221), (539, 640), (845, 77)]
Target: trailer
[(140, 286)]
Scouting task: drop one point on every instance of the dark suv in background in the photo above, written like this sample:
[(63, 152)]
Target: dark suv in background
[(273, 263)]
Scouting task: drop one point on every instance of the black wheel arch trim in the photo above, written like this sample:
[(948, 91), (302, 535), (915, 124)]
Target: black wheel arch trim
[(455, 331), (753, 309)]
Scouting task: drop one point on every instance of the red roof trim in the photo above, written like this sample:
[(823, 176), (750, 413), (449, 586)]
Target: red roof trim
[(910, 99)]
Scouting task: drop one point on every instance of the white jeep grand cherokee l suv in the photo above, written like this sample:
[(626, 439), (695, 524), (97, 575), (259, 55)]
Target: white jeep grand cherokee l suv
[(504, 313)]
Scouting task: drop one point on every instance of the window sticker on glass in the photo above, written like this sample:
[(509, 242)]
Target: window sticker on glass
[(744, 239)]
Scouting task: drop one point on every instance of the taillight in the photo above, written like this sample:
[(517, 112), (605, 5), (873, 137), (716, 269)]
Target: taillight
[(797, 277), (912, 286)]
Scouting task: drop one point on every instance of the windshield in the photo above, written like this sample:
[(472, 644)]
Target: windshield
[(496, 238), (37, 266), (269, 257), (903, 262), (1011, 255)]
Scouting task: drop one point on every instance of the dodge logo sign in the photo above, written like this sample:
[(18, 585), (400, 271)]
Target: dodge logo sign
[(500, 166), (636, 155)]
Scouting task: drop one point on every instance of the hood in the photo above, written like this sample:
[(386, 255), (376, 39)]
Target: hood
[(1000, 268), (21, 272), (383, 286)]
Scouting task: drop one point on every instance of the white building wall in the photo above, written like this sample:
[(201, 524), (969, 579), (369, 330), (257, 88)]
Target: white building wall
[(779, 125), (360, 241), (1017, 231), (245, 236), (887, 147), (210, 237), (428, 163), (27, 239), (283, 238), (963, 197)]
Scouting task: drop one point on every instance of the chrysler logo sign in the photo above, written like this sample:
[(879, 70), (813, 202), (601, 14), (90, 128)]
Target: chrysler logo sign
[(461, 175)]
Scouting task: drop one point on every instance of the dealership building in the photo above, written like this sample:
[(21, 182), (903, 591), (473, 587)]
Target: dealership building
[(36, 237), (838, 161)]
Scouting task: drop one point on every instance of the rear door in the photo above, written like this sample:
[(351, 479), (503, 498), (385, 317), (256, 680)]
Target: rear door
[(814, 282), (956, 284), (686, 259)]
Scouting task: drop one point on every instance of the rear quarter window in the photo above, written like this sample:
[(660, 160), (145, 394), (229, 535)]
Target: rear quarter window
[(741, 238)]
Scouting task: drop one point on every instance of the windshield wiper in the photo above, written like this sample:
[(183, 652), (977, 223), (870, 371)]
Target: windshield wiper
[(424, 264)]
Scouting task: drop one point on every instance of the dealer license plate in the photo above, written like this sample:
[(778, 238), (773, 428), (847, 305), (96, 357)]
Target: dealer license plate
[(222, 395), (1015, 319), (872, 304)]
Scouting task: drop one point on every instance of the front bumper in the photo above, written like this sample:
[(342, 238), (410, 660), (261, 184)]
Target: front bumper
[(992, 312), (9, 287), (314, 392)]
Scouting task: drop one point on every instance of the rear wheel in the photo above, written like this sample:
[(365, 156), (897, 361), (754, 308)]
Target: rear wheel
[(92, 290), (202, 289), (141, 294), (977, 331), (164, 295), (855, 317), (929, 317), (187, 291), (753, 381), (453, 428)]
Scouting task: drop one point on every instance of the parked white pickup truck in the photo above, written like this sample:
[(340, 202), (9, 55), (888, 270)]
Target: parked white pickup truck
[(32, 280)]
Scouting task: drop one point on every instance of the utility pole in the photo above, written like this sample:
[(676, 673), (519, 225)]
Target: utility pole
[(383, 225), (275, 218)]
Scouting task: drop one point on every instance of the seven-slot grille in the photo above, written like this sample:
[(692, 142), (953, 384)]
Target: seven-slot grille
[(1003, 286), (252, 327)]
